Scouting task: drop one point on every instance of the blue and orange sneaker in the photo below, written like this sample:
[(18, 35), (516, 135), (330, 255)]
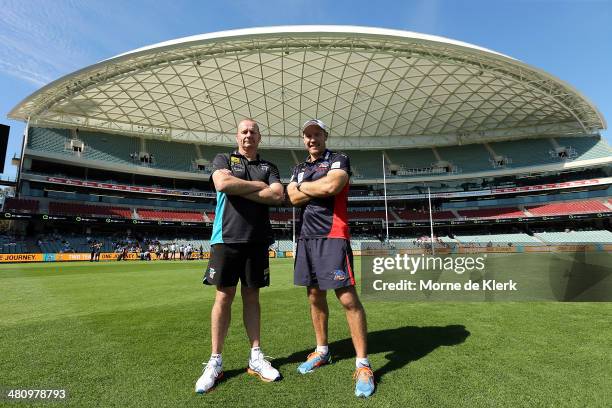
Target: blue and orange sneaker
[(314, 360), (364, 382)]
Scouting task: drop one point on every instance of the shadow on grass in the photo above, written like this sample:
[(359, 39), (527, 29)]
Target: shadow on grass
[(402, 345)]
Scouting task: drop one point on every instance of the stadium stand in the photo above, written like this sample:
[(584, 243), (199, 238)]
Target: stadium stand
[(366, 164), (57, 208), (470, 158), (21, 205), (48, 140), (570, 207), (170, 215), (284, 245), (494, 213), (410, 158), (281, 216), (108, 147), (171, 156), (209, 152), (530, 152), (282, 159), (599, 236), (366, 215), (496, 239), (413, 215), (586, 147), (10, 244), (403, 162)]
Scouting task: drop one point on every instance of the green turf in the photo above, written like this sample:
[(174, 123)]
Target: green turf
[(135, 334)]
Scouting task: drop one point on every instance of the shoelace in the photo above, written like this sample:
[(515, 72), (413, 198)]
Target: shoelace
[(216, 368), (314, 354), (363, 372), (261, 360)]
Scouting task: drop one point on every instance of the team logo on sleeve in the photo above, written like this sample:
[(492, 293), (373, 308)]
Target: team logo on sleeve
[(339, 275), (211, 273), (335, 165)]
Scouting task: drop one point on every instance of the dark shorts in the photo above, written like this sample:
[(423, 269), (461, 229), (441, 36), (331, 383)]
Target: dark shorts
[(326, 263), (229, 263)]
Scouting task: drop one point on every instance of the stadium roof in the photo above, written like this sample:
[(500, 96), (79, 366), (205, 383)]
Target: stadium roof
[(373, 87)]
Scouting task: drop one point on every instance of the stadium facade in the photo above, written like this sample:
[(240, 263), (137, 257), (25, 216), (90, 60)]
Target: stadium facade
[(504, 151)]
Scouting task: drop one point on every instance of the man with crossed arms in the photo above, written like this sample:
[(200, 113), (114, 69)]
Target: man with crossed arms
[(246, 185), (324, 260)]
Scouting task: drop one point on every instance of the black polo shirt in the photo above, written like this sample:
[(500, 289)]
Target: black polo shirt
[(237, 219), (324, 217)]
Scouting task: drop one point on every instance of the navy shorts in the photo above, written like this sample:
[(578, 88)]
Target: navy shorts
[(326, 263), (230, 263)]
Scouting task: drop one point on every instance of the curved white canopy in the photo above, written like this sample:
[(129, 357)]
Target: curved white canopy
[(374, 88)]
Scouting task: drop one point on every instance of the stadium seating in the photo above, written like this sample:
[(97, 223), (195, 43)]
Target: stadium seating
[(14, 245), (170, 215), (586, 147), (282, 159), (494, 213), (281, 216), (576, 237), (469, 158), (413, 215), (367, 215), (209, 152), (410, 158), (366, 164), (48, 140), (20, 205), (527, 152), (284, 245), (496, 239), (570, 207), (177, 156), (108, 147), (56, 208), (171, 155)]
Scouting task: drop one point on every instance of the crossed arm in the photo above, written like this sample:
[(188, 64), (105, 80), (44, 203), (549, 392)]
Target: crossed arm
[(327, 186), (256, 191)]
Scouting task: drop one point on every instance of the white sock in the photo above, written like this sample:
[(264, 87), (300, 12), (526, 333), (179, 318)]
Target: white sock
[(362, 362), (217, 358), (255, 353), (323, 349)]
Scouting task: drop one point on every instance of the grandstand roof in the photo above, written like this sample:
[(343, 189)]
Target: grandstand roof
[(373, 87)]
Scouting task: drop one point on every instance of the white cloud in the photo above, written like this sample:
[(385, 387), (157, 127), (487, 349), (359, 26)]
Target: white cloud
[(37, 40)]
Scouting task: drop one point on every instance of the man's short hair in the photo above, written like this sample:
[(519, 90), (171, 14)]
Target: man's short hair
[(251, 120)]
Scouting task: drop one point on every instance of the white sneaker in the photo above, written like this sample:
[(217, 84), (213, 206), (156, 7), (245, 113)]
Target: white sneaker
[(213, 373), (262, 368)]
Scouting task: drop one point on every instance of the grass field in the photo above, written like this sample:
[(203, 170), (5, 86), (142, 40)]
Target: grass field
[(135, 334)]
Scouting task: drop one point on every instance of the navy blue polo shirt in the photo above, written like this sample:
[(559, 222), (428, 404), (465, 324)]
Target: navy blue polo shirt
[(237, 219), (324, 217)]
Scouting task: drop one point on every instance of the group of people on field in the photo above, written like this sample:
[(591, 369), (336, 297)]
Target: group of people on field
[(246, 185)]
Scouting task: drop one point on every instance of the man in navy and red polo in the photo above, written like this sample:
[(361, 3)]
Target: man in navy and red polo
[(323, 259)]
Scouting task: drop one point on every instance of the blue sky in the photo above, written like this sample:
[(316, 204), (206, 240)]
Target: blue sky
[(42, 40)]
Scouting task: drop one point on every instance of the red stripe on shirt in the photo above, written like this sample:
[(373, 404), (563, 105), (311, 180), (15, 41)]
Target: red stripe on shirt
[(339, 228)]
